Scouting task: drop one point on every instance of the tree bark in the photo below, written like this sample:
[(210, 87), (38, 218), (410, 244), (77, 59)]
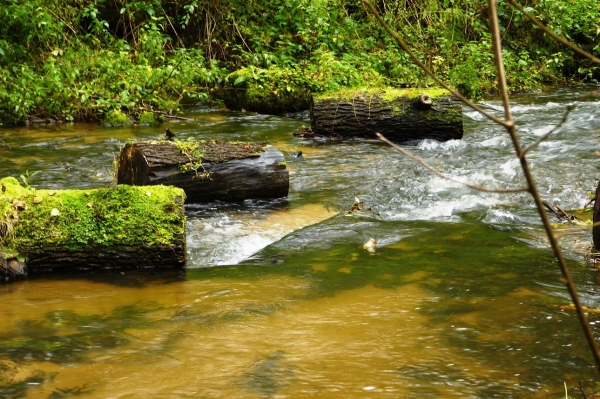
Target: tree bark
[(11, 268), (207, 171), (400, 118), (109, 228), (595, 219)]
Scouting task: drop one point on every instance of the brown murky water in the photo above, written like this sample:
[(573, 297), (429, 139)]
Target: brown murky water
[(460, 298)]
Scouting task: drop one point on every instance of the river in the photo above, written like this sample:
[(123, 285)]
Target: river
[(460, 298)]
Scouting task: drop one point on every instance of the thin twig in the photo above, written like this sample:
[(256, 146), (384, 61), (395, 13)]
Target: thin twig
[(241, 36), (6, 144), (443, 176), (502, 86), (64, 22), (167, 78), (551, 209), (554, 129), (581, 389), (172, 27), (554, 35), (416, 60)]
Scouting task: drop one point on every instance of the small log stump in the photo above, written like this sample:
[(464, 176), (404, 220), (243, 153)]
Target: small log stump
[(207, 171), (400, 115), (108, 228)]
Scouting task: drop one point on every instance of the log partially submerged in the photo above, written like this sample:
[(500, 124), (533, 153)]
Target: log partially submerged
[(207, 171), (399, 114), (107, 228)]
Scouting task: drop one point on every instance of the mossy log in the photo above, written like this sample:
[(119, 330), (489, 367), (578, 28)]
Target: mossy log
[(400, 115), (207, 171), (115, 227)]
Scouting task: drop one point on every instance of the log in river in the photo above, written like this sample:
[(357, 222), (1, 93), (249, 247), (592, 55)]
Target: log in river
[(207, 171), (398, 114), (107, 228)]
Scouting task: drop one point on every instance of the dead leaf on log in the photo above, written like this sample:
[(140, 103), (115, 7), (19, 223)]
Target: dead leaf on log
[(19, 205)]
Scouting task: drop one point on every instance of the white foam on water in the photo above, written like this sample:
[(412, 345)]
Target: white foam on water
[(510, 168), (450, 145), (540, 131), (447, 210), (499, 216), (494, 142)]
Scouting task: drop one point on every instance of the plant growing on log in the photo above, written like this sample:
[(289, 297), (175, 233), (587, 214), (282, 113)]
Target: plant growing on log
[(508, 123), (191, 149)]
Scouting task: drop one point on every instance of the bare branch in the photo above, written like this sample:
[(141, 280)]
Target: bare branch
[(6, 144), (443, 176), (416, 60), (554, 35), (554, 129), (497, 46)]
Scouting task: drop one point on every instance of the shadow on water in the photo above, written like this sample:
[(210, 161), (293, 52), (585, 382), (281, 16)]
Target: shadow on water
[(268, 375), (133, 278)]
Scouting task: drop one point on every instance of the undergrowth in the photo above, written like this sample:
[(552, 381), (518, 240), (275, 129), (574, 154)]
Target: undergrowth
[(82, 59)]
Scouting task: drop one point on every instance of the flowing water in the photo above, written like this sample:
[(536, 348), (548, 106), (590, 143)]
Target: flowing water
[(460, 298)]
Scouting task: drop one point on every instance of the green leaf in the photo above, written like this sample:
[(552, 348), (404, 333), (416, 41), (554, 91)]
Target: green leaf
[(240, 79)]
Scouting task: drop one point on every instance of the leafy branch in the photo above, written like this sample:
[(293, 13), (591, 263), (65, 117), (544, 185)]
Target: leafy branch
[(552, 34)]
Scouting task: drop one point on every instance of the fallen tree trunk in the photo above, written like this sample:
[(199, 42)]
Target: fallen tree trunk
[(207, 171), (400, 115), (115, 227)]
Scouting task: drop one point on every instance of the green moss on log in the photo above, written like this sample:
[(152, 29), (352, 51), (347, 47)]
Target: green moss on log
[(77, 219), (269, 91), (385, 93), (399, 114)]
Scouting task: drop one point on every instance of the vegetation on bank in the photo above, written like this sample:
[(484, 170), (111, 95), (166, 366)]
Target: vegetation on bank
[(83, 59)]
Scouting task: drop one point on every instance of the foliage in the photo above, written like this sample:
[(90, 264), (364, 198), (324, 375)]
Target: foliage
[(80, 59)]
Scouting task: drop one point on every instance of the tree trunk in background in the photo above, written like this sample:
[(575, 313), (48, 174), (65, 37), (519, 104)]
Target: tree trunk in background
[(405, 117), (596, 218), (207, 171)]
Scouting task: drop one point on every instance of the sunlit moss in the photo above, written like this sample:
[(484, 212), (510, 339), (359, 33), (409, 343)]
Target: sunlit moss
[(386, 94), (148, 118), (116, 118), (76, 219)]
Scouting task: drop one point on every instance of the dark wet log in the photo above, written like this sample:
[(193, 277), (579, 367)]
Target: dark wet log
[(120, 227), (11, 268), (207, 171), (596, 219), (400, 115)]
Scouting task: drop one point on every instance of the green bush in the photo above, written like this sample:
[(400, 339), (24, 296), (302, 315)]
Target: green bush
[(80, 59)]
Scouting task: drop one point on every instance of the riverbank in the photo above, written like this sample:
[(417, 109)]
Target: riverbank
[(124, 62)]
